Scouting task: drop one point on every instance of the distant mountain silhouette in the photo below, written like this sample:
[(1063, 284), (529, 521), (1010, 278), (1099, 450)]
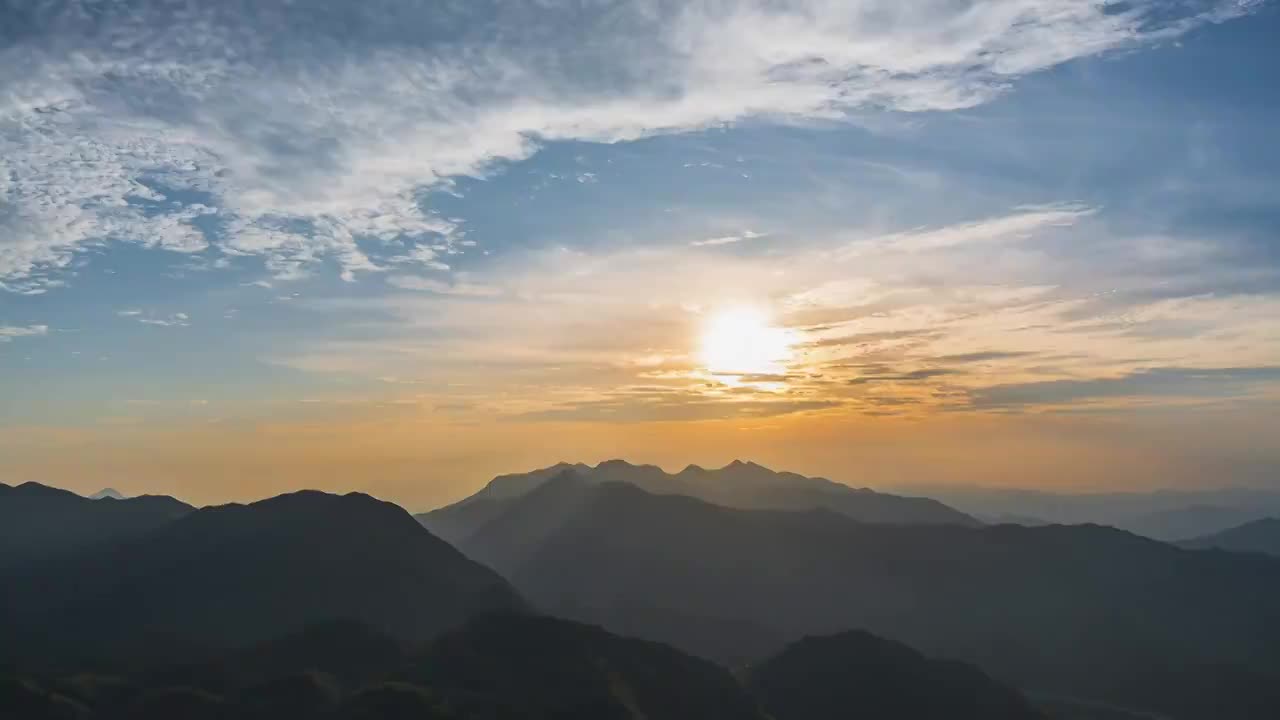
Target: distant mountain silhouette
[(858, 675), (1161, 514), (233, 575), (107, 493), (1261, 536), (1050, 607), (740, 484), (1013, 519), (38, 522), (1191, 521)]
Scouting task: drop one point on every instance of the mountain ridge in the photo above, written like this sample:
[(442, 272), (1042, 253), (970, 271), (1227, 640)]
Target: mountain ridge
[(657, 565), (743, 485), (232, 574), (1260, 536), (38, 522)]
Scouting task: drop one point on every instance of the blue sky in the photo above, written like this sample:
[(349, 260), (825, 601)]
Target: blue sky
[(471, 215)]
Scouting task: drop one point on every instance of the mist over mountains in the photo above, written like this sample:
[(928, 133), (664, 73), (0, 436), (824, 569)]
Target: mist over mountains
[(1159, 514), (743, 485), (737, 592), (1260, 536)]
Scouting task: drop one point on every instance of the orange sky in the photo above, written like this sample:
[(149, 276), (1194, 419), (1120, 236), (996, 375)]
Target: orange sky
[(422, 463)]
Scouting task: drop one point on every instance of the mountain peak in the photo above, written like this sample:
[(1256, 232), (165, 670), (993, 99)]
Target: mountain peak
[(32, 488), (614, 464), (107, 494)]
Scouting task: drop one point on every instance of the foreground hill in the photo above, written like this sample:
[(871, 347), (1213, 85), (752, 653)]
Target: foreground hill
[(738, 485), (823, 678), (1261, 536), (536, 667), (1087, 611), (38, 522), (497, 667), (231, 575), (523, 667)]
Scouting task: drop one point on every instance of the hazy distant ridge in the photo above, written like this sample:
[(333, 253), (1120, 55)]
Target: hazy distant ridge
[(743, 485)]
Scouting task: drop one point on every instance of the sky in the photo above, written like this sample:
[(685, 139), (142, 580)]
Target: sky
[(400, 247)]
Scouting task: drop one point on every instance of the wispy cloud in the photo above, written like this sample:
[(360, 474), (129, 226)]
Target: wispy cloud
[(727, 239), (179, 319), (439, 287), (311, 137), (891, 333), (9, 332), (1160, 382), (1023, 224)]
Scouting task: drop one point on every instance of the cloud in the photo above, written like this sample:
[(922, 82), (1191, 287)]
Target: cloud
[(171, 320), (878, 373), (727, 239), (411, 282), (890, 332), (1166, 382), (9, 332), (982, 357), (1015, 227), (301, 135), (667, 407)]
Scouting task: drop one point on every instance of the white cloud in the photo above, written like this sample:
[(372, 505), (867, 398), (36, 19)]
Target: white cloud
[(574, 324), (412, 282), (146, 318), (1006, 228), (313, 137), (727, 239), (9, 332)]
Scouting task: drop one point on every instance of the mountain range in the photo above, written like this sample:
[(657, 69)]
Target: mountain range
[(38, 521), (522, 667), (1168, 515), (1260, 536), (743, 485), (232, 575), (1081, 610), (829, 604)]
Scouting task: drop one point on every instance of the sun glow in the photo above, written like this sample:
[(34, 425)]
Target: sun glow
[(741, 341)]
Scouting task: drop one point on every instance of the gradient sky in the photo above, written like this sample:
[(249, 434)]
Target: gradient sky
[(402, 246)]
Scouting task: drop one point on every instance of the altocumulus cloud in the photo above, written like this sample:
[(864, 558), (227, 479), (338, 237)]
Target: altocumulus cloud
[(306, 133)]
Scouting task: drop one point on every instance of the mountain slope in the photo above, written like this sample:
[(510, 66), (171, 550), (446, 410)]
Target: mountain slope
[(538, 667), (739, 485), (1050, 607), (1187, 522), (856, 674), (37, 521), (495, 667), (233, 575), (1261, 536)]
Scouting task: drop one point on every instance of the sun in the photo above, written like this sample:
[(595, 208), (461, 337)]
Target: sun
[(742, 341)]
